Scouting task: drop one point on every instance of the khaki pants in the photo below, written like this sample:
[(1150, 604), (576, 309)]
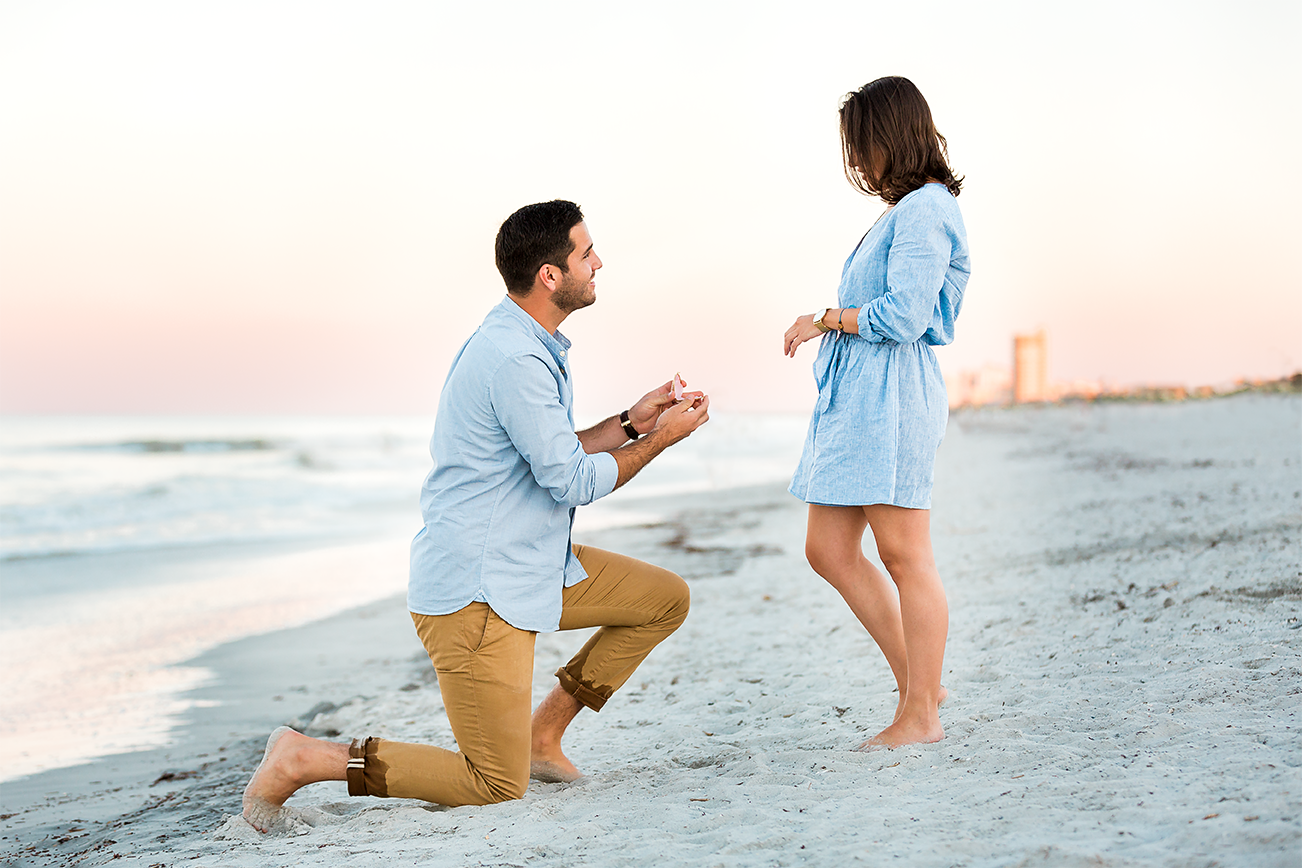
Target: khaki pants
[(485, 673)]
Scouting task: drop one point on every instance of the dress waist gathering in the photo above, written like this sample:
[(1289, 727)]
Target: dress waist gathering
[(833, 361)]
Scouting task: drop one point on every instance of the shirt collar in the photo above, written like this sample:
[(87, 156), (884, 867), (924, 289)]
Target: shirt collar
[(557, 344)]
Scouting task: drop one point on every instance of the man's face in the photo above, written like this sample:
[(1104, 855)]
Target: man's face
[(578, 288)]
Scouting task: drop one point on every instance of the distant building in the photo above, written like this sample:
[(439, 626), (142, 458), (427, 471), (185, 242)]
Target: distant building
[(1031, 368)]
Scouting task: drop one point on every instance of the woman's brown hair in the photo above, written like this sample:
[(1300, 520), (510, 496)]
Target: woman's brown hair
[(889, 117)]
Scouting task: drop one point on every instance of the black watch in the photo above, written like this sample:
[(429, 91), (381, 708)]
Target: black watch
[(628, 426)]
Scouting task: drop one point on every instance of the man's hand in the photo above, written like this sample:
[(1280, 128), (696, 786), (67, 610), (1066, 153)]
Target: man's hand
[(674, 422), (647, 410), (681, 419)]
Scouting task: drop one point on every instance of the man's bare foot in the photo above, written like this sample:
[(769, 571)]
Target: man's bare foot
[(553, 772), (548, 763), (270, 785), (900, 733), (940, 700)]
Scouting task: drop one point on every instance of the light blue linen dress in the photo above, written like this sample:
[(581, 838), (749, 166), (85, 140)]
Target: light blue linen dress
[(882, 407)]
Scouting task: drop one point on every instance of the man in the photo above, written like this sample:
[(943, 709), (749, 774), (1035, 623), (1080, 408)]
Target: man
[(494, 564)]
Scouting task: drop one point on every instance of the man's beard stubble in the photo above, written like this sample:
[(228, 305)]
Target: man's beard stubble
[(572, 295)]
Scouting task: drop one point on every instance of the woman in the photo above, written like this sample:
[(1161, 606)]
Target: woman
[(871, 448)]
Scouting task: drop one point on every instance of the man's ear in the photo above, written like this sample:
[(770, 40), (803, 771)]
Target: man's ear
[(548, 277)]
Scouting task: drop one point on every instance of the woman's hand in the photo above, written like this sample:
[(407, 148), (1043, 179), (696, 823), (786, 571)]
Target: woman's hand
[(802, 330)]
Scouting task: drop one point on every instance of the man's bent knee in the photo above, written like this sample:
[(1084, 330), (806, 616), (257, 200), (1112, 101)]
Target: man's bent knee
[(678, 600), (506, 790), (497, 786)]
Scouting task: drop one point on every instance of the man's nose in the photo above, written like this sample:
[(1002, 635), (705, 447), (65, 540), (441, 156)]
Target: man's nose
[(596, 262)]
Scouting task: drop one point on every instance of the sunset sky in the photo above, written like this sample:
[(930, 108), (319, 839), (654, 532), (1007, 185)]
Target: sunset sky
[(289, 207)]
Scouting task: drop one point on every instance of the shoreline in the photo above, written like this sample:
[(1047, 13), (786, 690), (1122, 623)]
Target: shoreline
[(220, 725), (1124, 671), (118, 631)]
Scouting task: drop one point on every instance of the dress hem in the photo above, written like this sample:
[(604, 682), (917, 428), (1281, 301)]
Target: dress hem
[(870, 502)]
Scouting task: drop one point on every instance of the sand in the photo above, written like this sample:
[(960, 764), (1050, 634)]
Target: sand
[(1123, 663)]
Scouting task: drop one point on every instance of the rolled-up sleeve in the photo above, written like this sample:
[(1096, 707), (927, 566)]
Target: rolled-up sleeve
[(919, 257), (527, 401)]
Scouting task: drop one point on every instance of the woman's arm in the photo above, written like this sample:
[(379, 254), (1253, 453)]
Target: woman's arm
[(916, 263), (803, 329), (845, 318), (919, 256)]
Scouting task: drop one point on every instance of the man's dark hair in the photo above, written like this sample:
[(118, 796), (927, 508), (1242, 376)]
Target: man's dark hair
[(891, 117), (532, 237)]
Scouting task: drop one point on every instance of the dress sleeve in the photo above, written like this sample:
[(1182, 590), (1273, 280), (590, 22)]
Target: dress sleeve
[(527, 403), (916, 263)]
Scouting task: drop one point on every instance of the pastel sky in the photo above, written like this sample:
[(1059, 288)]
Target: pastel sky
[(285, 207)]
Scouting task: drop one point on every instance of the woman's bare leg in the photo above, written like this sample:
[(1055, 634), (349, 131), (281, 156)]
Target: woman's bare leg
[(292, 760), (904, 544), (834, 548)]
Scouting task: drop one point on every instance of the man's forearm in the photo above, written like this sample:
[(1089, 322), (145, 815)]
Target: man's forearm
[(602, 437), (632, 457)]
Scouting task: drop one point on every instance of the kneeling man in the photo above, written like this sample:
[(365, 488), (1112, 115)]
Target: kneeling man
[(494, 564)]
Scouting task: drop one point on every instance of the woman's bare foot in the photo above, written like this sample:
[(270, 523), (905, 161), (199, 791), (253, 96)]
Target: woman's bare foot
[(899, 706), (901, 733)]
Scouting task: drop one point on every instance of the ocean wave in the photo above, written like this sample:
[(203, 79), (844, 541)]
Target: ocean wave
[(81, 487), (256, 445)]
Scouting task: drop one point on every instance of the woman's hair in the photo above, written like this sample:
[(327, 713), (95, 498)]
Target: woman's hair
[(889, 117)]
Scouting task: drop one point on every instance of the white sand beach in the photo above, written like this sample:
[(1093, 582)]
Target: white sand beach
[(1124, 667)]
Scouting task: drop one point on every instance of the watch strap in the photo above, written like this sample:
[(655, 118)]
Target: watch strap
[(628, 426)]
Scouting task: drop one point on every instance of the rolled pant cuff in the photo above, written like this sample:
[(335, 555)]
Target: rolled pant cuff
[(580, 691), (360, 752)]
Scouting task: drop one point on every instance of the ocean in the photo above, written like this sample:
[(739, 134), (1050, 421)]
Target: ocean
[(129, 545)]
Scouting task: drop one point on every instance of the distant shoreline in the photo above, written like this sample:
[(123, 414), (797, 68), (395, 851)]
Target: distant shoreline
[(1155, 394)]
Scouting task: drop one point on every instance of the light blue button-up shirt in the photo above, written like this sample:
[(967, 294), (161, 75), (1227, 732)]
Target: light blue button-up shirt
[(508, 472)]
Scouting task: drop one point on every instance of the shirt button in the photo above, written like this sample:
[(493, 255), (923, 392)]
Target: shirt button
[(562, 354)]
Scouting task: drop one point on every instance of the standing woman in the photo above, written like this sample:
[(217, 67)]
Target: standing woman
[(870, 452)]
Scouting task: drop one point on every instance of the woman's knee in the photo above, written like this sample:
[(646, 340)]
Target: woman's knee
[(828, 564), (905, 560)]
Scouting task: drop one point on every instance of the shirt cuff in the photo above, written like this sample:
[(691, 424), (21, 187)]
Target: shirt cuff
[(607, 473)]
